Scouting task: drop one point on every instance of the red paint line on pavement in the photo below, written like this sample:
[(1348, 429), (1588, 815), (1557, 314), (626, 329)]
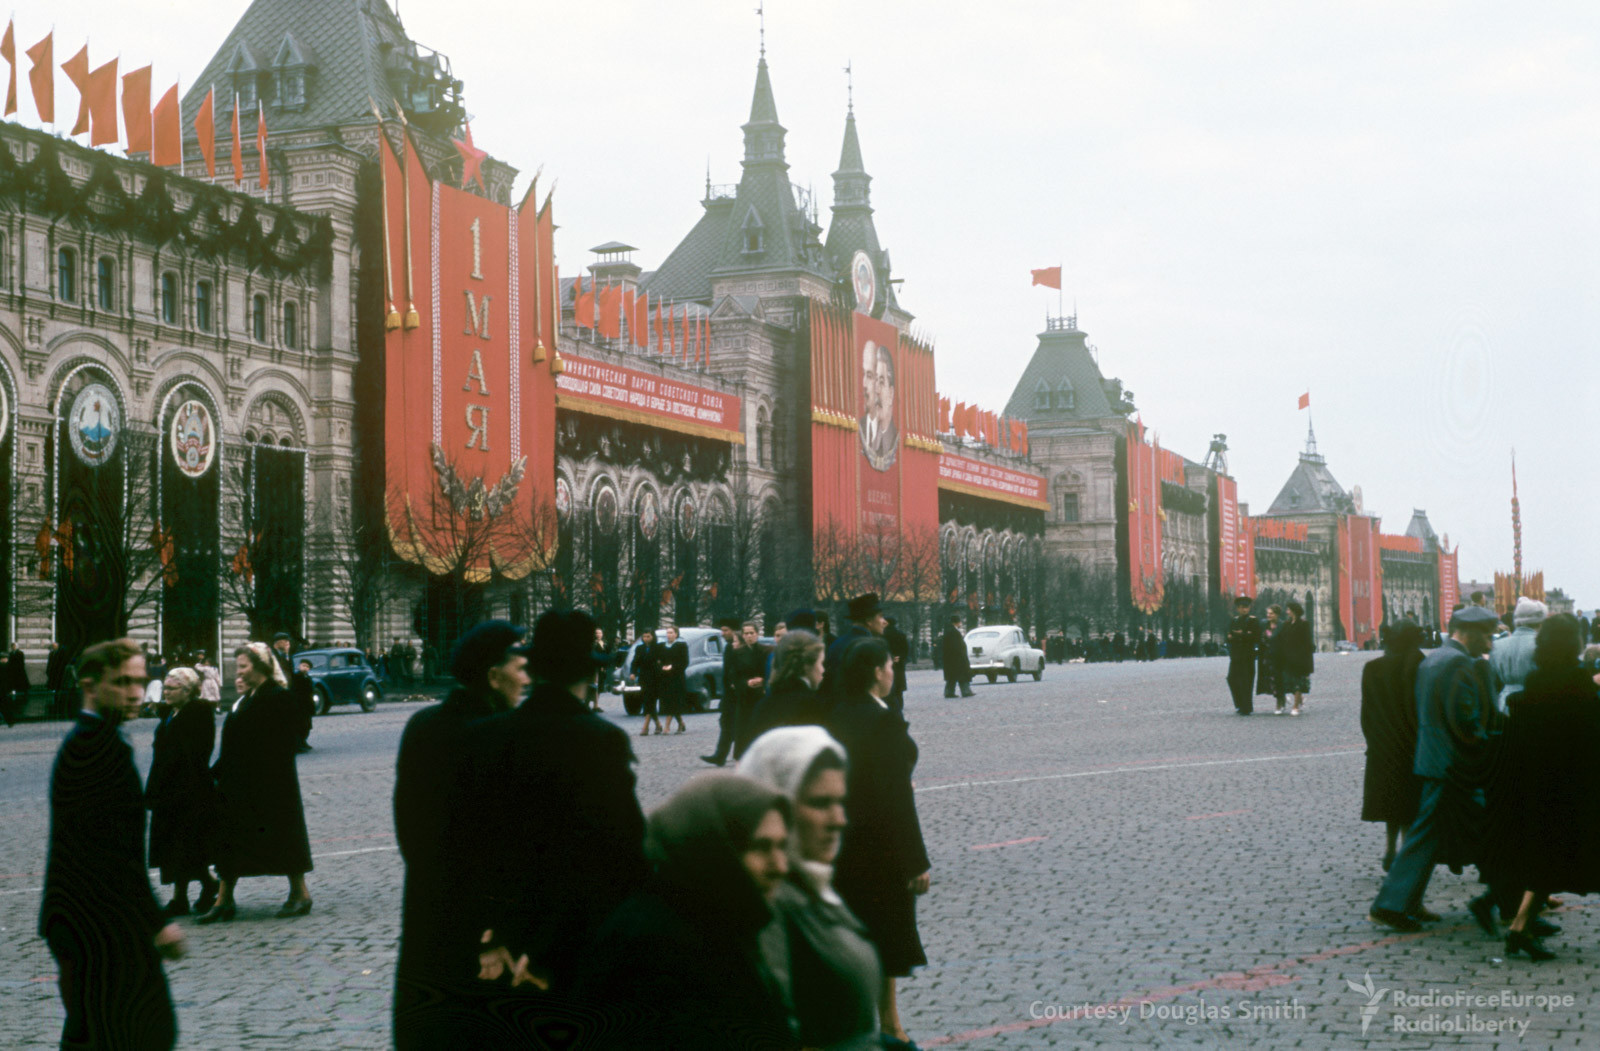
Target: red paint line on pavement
[(1010, 843), (1220, 813), (1266, 976)]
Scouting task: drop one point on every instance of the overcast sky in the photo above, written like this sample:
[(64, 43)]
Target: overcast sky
[(1395, 205)]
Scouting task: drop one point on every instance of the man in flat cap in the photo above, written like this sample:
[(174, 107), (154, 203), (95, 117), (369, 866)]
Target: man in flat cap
[(866, 622), (1455, 714), (490, 668)]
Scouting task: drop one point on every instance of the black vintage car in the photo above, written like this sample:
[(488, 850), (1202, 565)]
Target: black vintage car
[(340, 676)]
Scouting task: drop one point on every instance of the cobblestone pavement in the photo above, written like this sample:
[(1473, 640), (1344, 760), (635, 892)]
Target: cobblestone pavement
[(1118, 861)]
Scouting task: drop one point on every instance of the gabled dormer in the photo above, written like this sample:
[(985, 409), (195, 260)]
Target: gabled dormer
[(244, 78), (752, 230), (291, 69)]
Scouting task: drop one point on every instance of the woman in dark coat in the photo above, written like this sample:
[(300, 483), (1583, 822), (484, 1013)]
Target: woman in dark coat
[(883, 864), (1268, 678), (1295, 663), (1389, 722), (682, 964), (672, 661), (180, 796), (792, 698), (1543, 831), (263, 831), (648, 676)]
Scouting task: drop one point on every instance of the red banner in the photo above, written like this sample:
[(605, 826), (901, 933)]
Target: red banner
[(1391, 542), (963, 474), (878, 427), (1247, 557), (642, 397), (1360, 580), (469, 451), (1144, 522), (1277, 529), (1449, 585), (1233, 541)]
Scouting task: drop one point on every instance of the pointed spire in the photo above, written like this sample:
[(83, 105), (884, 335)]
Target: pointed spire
[(763, 135), (851, 182)]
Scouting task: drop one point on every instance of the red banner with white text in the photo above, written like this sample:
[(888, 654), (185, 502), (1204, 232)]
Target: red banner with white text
[(1145, 517), (1360, 580), (618, 392), (1449, 586)]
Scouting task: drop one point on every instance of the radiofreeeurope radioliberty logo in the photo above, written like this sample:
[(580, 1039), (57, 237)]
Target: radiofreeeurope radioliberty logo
[(1502, 1012), (1374, 996)]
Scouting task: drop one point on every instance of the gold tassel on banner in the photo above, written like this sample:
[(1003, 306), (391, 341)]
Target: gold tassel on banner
[(557, 366), (413, 320), (539, 354), (391, 320)]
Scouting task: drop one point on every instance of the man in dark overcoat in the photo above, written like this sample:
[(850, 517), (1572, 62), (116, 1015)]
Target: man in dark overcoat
[(1244, 638), (953, 655), (866, 622), (99, 916), (433, 976), (555, 835), (732, 694), (1455, 709), (751, 678), (900, 650)]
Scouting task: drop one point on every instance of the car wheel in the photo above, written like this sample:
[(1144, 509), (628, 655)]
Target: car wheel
[(324, 702), (369, 698), (1038, 673), (992, 677), (1011, 673), (632, 704)]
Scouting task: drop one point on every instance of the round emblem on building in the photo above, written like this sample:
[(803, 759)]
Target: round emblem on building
[(688, 517), (563, 498), (194, 438), (649, 514), (94, 424), (864, 279), (605, 510)]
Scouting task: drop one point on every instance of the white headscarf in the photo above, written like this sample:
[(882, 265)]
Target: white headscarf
[(780, 758), (264, 655)]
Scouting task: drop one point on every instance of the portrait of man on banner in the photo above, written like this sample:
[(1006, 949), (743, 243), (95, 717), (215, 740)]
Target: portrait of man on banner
[(880, 440)]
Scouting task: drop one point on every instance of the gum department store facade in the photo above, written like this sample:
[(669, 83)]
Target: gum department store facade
[(129, 295)]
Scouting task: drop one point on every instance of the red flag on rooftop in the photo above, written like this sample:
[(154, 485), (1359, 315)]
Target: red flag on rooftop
[(660, 337), (205, 126), (627, 309), (261, 142), (582, 304), (166, 145), (8, 50), (944, 415), (102, 100), (1049, 277), (77, 70), (640, 322), (42, 77), (136, 109), (1305, 400)]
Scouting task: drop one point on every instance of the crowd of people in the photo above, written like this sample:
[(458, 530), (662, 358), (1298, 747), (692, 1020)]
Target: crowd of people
[(1482, 753)]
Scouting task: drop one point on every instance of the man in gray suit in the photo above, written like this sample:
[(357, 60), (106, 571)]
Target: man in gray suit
[(1455, 706)]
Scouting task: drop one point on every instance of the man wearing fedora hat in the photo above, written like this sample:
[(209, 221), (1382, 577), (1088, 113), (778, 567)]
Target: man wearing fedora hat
[(1455, 710), (866, 622)]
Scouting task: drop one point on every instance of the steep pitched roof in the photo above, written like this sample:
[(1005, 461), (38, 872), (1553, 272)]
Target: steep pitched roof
[(1421, 529), (686, 273), (1311, 489), (350, 36), (1062, 362)]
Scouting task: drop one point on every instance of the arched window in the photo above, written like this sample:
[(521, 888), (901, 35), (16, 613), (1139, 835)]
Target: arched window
[(202, 305), (67, 275), (763, 431), (105, 278), (169, 298), (291, 324), (258, 318)]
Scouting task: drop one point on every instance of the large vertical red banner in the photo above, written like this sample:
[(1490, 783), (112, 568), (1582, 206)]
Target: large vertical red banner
[(879, 423), (1360, 583), (469, 466), (1449, 584), (1229, 550), (1144, 522)]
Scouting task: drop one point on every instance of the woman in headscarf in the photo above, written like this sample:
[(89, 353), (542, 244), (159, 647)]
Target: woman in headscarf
[(834, 974), (792, 698), (1391, 791), (263, 830), (883, 864), (180, 796), (1543, 832), (679, 966)]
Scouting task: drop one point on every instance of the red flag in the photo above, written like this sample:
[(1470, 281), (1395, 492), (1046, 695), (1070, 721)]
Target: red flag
[(261, 141), (102, 98), (206, 128), (1024, 449), (136, 109), (672, 331), (582, 304), (1049, 277), (944, 415), (77, 70), (42, 77), (8, 50), (627, 309), (238, 160), (658, 327), (1305, 400), (166, 147)]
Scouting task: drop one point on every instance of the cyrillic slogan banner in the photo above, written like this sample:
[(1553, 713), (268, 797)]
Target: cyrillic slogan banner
[(1360, 578), (1231, 540), (1449, 584), (469, 400), (642, 397), (1145, 518), (962, 474)]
